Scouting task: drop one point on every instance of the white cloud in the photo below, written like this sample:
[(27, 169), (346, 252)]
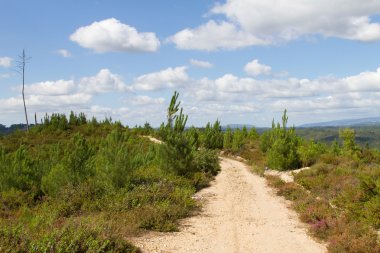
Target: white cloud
[(51, 88), (213, 36), (167, 78), (365, 81), (257, 22), (217, 110), (44, 103), (64, 53), (146, 100), (104, 81), (63, 95), (201, 64), (307, 100), (5, 62), (60, 100), (231, 98), (103, 111), (254, 68), (290, 19), (111, 35)]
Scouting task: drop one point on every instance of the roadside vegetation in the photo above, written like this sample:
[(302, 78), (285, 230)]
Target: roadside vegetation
[(77, 185), (339, 196)]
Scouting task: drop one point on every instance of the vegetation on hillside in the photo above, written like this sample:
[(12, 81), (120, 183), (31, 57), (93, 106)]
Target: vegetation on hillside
[(364, 135), (78, 185), (281, 144), (339, 196)]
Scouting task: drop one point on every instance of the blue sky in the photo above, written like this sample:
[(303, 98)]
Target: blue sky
[(240, 61)]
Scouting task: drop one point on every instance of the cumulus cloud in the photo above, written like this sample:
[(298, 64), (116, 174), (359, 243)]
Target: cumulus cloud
[(254, 68), (5, 62), (104, 111), (213, 36), (62, 96), (201, 64), (318, 99), (227, 97), (53, 96), (111, 35), (365, 82), (257, 22), (60, 100), (167, 78), (51, 88), (348, 19), (146, 100), (44, 102), (64, 53), (104, 81)]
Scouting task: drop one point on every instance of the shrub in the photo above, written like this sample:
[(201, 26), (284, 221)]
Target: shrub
[(227, 138), (352, 237), (193, 135), (237, 140), (310, 152), (283, 155), (176, 154), (68, 239), (207, 161), (281, 144), (253, 134), (212, 137)]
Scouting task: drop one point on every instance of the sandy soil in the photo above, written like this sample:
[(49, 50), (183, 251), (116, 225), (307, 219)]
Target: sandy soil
[(152, 139), (240, 214), (286, 176)]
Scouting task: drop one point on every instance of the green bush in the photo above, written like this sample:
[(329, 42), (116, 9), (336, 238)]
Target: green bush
[(281, 144), (227, 138), (283, 155), (177, 154), (212, 137), (193, 135), (238, 140), (207, 161), (310, 152)]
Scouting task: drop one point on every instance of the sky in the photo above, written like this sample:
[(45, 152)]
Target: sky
[(238, 61)]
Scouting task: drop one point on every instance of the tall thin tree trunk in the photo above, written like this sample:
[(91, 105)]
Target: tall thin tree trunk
[(23, 88)]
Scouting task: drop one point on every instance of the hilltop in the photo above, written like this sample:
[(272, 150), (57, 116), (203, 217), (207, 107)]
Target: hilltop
[(345, 123)]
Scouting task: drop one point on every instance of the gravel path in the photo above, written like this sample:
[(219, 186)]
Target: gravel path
[(240, 214)]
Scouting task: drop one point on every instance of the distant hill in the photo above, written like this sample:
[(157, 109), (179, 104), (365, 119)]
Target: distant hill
[(365, 134), (346, 123), (7, 130), (260, 130), (236, 126)]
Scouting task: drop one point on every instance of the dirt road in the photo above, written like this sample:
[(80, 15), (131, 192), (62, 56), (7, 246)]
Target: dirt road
[(240, 214)]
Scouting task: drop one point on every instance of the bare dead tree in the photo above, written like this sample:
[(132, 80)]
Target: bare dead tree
[(21, 70)]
